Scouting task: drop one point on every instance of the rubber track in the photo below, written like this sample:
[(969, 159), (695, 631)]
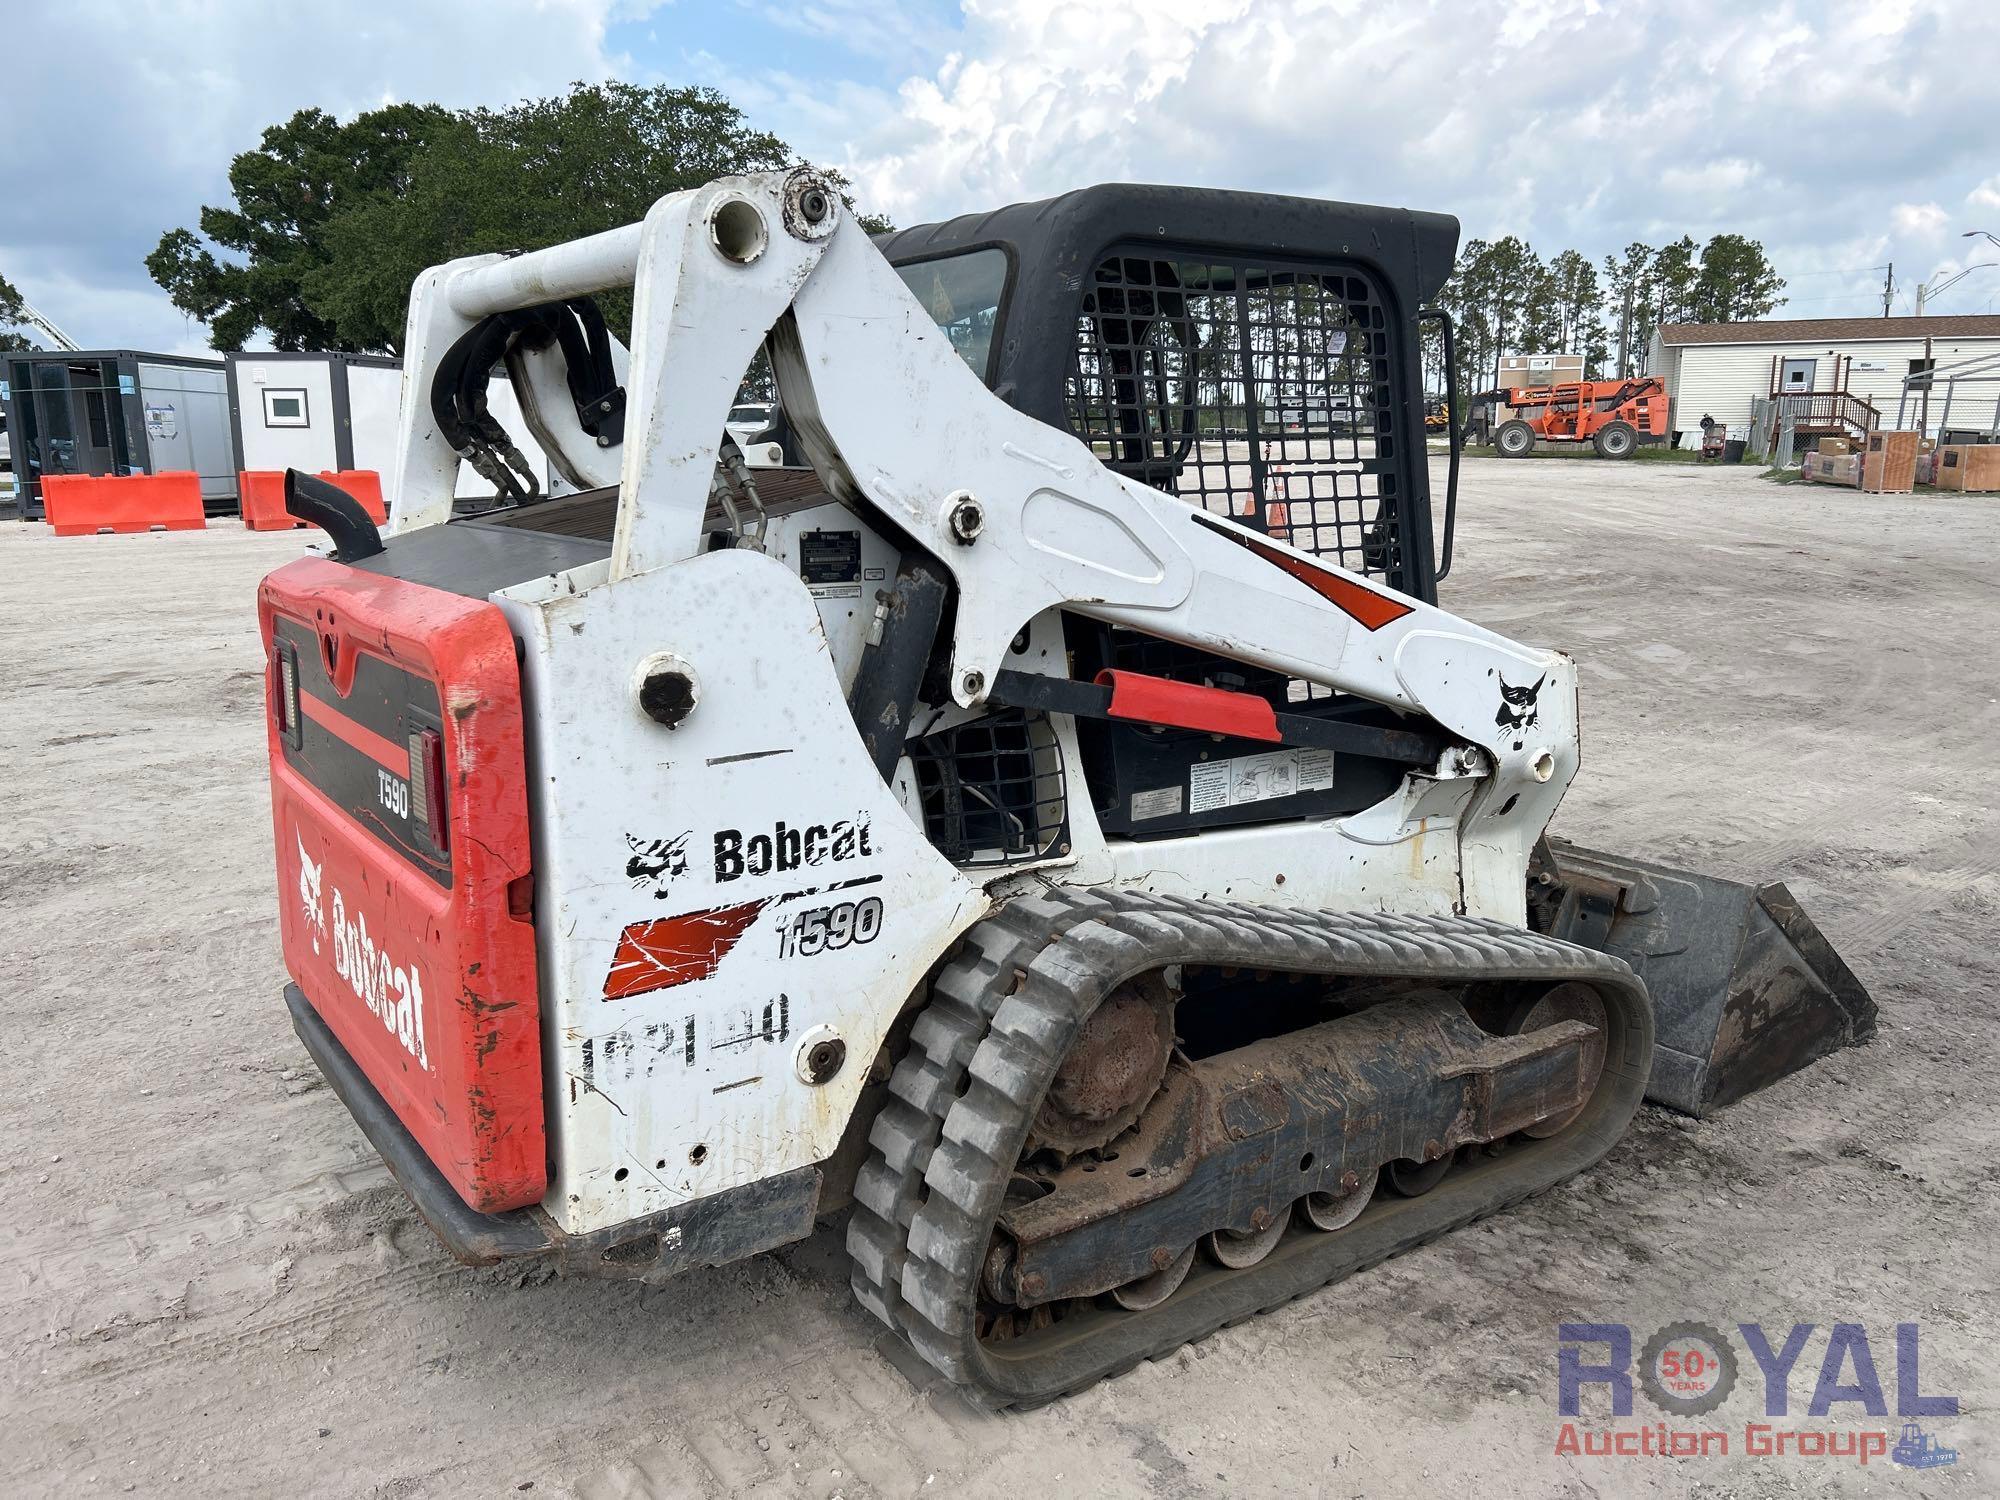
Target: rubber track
[(1002, 1015), (930, 1078)]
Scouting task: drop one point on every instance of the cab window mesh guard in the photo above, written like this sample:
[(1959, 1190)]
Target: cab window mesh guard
[(1256, 389)]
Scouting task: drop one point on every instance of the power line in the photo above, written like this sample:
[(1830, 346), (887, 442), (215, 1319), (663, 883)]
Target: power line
[(1855, 296)]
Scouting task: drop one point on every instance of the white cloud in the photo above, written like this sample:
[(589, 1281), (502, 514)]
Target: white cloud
[(1922, 221), (1731, 176), (1569, 122)]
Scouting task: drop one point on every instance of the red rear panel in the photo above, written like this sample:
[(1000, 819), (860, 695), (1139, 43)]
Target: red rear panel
[(410, 932)]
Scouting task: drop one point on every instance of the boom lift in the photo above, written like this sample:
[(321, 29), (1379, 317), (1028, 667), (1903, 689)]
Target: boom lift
[(1055, 817)]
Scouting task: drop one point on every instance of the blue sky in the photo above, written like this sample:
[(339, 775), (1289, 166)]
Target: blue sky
[(1843, 135), (875, 45)]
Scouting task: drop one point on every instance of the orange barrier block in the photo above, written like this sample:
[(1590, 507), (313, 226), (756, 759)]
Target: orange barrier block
[(85, 505), (262, 494), (364, 485), (261, 497)]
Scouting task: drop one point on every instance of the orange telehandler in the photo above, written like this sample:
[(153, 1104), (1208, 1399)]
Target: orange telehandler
[(1613, 416)]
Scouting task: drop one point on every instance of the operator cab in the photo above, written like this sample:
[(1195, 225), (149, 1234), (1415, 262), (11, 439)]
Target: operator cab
[(1255, 355)]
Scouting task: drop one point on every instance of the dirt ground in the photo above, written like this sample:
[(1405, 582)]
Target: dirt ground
[(209, 1286)]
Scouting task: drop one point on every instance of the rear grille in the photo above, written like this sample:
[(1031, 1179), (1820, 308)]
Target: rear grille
[(992, 789), (1256, 389)]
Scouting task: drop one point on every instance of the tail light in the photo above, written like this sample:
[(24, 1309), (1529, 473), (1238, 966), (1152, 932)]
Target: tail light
[(285, 693), (427, 790)]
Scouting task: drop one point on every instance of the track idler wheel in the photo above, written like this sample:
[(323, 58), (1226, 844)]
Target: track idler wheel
[(1111, 1071)]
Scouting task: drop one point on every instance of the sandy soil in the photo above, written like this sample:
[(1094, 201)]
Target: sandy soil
[(209, 1286)]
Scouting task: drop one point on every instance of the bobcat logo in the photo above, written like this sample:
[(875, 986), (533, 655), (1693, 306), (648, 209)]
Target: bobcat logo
[(656, 863), (1520, 707), (309, 897)]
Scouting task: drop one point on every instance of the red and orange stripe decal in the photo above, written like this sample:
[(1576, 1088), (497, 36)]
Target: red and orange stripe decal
[(1361, 604), (667, 951)]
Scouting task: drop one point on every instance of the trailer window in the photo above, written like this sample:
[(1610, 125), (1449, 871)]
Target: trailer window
[(962, 294), (285, 409), (100, 427)]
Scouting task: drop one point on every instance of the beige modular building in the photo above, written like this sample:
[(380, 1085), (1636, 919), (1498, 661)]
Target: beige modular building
[(1537, 370), (1719, 369)]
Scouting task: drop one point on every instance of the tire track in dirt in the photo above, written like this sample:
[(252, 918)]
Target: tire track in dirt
[(159, 1229), (1930, 886), (202, 1340)]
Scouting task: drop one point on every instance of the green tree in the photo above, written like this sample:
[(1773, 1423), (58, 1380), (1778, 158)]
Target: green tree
[(305, 175), (387, 198), (1735, 282), (1472, 330), (1496, 297), (1540, 329), (1630, 275), (539, 173), (1576, 307), (13, 316), (1506, 300), (1674, 273)]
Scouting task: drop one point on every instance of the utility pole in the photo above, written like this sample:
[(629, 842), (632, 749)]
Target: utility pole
[(1930, 367), (1888, 288), (1625, 337)]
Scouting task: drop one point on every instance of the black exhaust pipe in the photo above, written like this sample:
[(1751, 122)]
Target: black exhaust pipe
[(319, 502)]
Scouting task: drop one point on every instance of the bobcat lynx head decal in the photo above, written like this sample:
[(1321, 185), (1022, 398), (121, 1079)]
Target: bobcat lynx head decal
[(656, 862), (309, 892), (1520, 707)]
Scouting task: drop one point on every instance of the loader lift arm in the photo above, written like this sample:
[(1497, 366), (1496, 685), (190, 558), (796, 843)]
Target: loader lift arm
[(1023, 517)]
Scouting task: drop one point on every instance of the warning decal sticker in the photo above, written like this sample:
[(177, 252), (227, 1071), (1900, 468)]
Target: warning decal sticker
[(1258, 778)]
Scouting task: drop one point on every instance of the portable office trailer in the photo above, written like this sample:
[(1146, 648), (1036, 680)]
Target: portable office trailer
[(117, 411), (1829, 367), (313, 411), (322, 411)]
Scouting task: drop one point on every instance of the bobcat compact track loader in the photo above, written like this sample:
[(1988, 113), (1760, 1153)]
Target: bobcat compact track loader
[(1053, 815)]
